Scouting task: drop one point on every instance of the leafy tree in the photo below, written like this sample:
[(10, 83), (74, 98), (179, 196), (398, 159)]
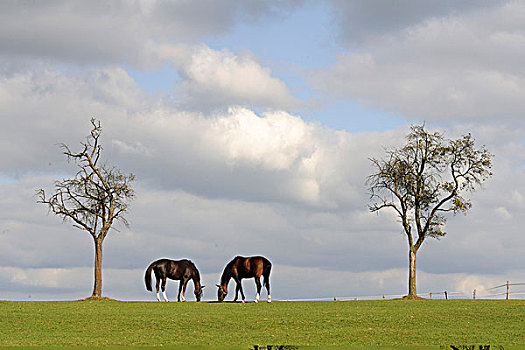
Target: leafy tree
[(425, 180), (94, 198)]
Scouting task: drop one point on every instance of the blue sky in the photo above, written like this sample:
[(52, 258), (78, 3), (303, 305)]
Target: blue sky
[(305, 39), (249, 126)]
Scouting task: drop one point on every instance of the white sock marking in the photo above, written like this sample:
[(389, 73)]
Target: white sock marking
[(164, 295)]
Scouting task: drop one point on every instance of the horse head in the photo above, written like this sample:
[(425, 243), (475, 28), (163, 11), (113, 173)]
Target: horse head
[(198, 292), (221, 293)]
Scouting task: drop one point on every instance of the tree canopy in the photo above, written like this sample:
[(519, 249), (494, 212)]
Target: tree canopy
[(426, 179)]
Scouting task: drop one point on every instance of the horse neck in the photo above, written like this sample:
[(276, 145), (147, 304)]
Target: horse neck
[(226, 276), (195, 276), (196, 281)]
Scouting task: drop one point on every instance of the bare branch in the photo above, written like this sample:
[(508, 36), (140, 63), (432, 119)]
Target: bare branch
[(97, 195)]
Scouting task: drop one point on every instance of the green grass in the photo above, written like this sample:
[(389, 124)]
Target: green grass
[(387, 323)]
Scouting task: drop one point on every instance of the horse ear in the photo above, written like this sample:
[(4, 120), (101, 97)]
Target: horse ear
[(203, 286), (218, 286)]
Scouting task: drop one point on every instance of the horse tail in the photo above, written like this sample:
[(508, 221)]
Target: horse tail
[(147, 276), (267, 268)]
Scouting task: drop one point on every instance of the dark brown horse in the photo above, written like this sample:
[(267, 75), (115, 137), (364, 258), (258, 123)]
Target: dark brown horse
[(181, 270), (241, 267)]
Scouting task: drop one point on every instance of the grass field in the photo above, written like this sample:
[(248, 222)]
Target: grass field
[(98, 323)]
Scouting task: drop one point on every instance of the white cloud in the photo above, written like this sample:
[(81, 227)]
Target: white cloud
[(124, 32), (45, 277), (213, 185), (351, 252), (148, 36), (518, 199), (276, 155), (503, 213), (287, 283), (463, 66), (361, 21), (275, 141), (213, 78)]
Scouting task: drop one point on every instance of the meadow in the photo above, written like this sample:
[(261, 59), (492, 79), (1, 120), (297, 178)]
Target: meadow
[(229, 325)]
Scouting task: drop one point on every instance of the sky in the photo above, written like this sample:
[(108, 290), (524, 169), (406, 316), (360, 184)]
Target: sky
[(249, 126)]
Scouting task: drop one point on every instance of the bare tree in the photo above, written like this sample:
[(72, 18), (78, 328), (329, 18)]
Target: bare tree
[(425, 180), (94, 198)]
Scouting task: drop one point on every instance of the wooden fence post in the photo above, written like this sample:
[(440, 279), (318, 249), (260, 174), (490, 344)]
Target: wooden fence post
[(446, 295), (430, 295), (474, 294), (508, 286)]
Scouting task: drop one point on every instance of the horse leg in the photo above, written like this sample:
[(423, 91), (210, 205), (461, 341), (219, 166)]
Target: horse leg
[(164, 289), (258, 284), (158, 296), (180, 290), (184, 288), (237, 288), (242, 292), (267, 285)]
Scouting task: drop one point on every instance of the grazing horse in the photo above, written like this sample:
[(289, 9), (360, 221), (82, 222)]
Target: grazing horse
[(241, 267), (181, 270)]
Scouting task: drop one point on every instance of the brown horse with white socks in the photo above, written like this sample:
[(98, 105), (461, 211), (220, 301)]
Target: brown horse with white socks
[(241, 267), (182, 270)]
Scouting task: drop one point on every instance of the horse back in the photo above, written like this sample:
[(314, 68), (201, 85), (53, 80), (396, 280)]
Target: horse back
[(253, 266), (175, 269)]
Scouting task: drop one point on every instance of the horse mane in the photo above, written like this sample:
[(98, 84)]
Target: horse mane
[(195, 270), (226, 274)]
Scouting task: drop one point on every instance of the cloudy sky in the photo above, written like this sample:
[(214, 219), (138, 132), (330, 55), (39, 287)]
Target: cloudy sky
[(249, 126)]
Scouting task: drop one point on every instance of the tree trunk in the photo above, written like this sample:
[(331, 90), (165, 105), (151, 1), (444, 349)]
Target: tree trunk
[(412, 273), (97, 288)]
